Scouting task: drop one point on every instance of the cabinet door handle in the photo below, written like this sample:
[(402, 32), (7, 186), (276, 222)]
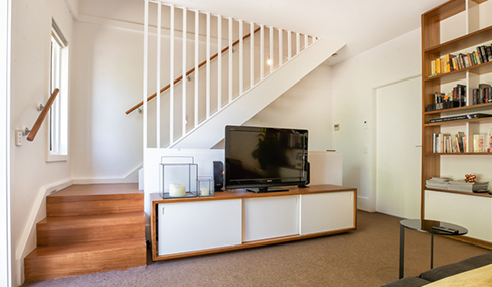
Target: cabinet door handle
[(418, 145), (163, 210)]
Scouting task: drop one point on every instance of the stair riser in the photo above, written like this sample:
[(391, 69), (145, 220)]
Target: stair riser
[(51, 267), (47, 236), (93, 207)]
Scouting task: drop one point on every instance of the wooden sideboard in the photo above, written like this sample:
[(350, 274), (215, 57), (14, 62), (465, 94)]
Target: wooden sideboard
[(238, 219)]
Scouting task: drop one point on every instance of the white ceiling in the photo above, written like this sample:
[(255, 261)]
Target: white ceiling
[(360, 24)]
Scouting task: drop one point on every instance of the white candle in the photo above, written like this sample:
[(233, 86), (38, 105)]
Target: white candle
[(177, 190), (204, 191)]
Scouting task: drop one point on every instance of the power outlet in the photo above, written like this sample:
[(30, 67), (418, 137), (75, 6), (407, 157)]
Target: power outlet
[(18, 137)]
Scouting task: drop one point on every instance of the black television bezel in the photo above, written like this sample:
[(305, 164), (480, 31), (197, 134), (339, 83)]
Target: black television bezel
[(264, 183)]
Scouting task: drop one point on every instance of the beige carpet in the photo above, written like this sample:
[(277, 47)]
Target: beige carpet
[(365, 257)]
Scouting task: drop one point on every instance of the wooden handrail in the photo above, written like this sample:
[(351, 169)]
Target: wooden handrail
[(178, 79), (42, 115)]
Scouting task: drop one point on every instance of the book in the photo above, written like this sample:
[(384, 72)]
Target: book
[(437, 182), (459, 118), (488, 52), (448, 59), (483, 97), (447, 143), (461, 185)]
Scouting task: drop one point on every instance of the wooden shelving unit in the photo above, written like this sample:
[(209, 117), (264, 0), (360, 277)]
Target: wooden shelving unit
[(434, 47)]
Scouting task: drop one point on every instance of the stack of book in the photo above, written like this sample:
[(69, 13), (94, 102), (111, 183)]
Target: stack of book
[(482, 95), (461, 185), (446, 143), (437, 183), (450, 62)]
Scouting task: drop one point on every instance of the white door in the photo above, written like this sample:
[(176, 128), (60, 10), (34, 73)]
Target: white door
[(328, 211), (198, 225), (398, 150), (270, 217)]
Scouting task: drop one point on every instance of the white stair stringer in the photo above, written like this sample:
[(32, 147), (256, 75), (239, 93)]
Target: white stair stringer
[(211, 131)]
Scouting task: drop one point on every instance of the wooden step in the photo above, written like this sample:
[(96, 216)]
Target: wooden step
[(95, 199), (62, 230), (84, 258)]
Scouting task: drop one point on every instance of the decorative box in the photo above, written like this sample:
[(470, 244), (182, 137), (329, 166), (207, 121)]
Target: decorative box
[(178, 177), (205, 186)]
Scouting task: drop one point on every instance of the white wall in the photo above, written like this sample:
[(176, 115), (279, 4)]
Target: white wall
[(31, 33), (307, 105), (106, 143), (354, 82), (108, 67)]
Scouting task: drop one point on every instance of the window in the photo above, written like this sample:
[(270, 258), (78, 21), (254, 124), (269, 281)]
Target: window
[(58, 120)]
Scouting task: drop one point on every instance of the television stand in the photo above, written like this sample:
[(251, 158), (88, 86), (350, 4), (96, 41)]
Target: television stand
[(266, 189)]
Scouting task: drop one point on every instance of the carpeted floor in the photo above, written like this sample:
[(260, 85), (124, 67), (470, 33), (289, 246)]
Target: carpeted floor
[(365, 257)]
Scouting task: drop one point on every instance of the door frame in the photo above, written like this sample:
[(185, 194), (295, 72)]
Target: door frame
[(5, 230)]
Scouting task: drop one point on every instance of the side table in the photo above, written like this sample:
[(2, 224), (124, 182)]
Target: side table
[(427, 226)]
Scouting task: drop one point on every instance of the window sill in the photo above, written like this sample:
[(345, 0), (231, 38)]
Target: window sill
[(56, 158)]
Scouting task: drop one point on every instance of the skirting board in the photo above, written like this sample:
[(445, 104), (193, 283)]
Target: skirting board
[(131, 177), (29, 229)]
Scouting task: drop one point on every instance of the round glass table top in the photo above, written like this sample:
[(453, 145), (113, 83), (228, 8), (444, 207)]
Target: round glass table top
[(434, 226)]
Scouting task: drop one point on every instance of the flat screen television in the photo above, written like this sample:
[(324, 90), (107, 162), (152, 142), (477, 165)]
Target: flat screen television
[(259, 158)]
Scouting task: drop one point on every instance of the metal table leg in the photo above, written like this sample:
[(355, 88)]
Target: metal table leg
[(432, 250), (402, 250)]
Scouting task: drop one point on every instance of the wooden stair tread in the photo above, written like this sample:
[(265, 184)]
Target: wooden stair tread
[(93, 220), (89, 229), (88, 247)]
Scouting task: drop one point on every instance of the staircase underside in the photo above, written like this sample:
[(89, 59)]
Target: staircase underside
[(211, 131)]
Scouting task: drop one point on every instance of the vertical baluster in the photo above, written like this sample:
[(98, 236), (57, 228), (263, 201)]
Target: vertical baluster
[(289, 45), (271, 50), (298, 43), (197, 42), (183, 80), (305, 41), (262, 52), (171, 78), (240, 57), (145, 67), (219, 62), (252, 54), (230, 60), (208, 68), (158, 74), (280, 47)]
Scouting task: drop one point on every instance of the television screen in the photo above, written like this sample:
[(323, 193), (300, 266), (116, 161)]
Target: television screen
[(257, 157)]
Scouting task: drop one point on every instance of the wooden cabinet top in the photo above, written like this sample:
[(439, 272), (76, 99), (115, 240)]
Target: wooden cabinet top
[(156, 198)]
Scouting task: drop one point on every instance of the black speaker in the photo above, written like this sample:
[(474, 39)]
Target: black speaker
[(218, 176)]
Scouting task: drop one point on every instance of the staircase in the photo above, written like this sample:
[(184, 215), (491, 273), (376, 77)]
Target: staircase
[(246, 67), (89, 229)]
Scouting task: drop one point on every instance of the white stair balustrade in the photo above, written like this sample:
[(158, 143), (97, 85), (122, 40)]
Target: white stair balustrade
[(221, 71)]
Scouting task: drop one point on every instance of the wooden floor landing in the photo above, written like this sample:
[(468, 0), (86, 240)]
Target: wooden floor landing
[(95, 189)]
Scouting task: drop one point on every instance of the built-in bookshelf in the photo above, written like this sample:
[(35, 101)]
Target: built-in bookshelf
[(456, 104)]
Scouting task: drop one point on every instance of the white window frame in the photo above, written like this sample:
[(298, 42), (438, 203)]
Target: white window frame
[(57, 145)]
